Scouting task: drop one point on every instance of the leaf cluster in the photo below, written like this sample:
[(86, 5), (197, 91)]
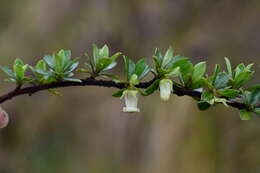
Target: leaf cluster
[(222, 86)]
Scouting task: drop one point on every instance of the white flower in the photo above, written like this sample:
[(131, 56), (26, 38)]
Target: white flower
[(4, 118), (131, 101), (165, 89)]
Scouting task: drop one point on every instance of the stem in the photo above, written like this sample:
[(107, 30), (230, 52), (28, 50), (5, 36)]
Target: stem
[(103, 83)]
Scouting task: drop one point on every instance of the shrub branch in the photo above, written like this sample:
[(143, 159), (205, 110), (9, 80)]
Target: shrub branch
[(102, 83)]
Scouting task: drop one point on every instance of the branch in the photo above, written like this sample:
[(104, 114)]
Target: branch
[(85, 82), (103, 83)]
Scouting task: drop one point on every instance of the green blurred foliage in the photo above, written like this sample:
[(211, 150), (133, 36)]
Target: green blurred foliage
[(85, 130)]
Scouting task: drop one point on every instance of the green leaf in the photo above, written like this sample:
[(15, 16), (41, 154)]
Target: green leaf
[(216, 72), (64, 58), (221, 100), (110, 66), (71, 67), (173, 60), (115, 56), (102, 64), (253, 96), (49, 60), (145, 72), (257, 111), (199, 71), (141, 69), (186, 73), (8, 71), (104, 51), (230, 93), (181, 63), (89, 66), (140, 66), (119, 93), (207, 97), (18, 61), (69, 63), (71, 79), (112, 62), (242, 78), (156, 62), (19, 71), (203, 105), (10, 80), (186, 67), (167, 57), (199, 84), (245, 115), (222, 80), (59, 61), (129, 67), (41, 72), (253, 88), (229, 67), (90, 62), (67, 54), (41, 65), (95, 55), (174, 73), (249, 66), (153, 87), (158, 55), (241, 67), (82, 70), (247, 97)]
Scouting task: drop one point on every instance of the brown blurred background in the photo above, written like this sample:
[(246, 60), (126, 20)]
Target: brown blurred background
[(85, 131)]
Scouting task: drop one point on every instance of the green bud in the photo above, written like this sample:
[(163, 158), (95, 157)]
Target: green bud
[(134, 79)]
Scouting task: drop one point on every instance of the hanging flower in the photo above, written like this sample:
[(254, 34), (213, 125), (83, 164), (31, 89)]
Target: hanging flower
[(131, 101), (4, 118), (165, 89)]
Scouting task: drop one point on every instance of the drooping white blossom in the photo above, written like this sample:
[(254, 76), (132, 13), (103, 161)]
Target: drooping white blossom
[(131, 101), (165, 89)]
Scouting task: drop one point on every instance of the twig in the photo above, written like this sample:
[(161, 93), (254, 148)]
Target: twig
[(103, 83)]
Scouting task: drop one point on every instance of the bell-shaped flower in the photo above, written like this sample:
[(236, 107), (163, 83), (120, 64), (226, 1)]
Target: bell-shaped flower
[(4, 118), (131, 101), (165, 89)]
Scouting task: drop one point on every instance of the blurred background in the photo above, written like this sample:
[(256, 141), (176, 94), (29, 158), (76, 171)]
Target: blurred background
[(85, 131)]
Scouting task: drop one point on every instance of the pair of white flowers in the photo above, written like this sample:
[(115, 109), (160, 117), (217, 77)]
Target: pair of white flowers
[(131, 96), (4, 118)]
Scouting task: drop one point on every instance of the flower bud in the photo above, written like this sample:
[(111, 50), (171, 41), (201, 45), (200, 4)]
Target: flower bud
[(4, 118), (165, 89), (131, 101)]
